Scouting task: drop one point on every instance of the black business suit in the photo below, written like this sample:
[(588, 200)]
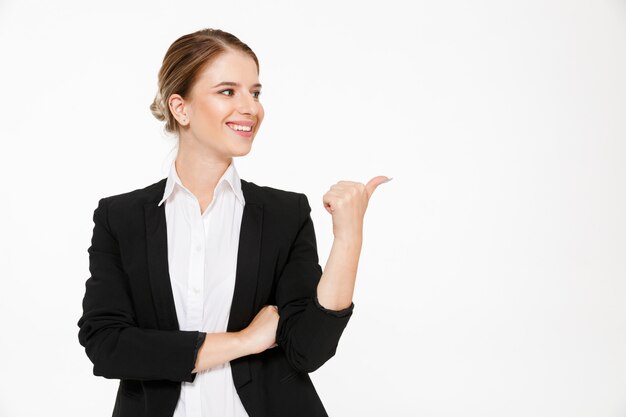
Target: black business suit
[(129, 326)]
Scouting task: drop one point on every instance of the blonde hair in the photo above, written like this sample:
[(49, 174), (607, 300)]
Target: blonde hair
[(184, 60)]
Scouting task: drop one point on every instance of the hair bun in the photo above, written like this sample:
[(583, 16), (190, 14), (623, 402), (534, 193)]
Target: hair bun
[(157, 107)]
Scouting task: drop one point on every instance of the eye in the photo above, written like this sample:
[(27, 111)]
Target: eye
[(258, 93)]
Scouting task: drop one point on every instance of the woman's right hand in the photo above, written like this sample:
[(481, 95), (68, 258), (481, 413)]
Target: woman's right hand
[(261, 332)]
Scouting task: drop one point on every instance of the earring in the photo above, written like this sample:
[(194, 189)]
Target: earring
[(185, 119)]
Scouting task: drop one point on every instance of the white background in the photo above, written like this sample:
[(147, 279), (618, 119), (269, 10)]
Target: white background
[(492, 280)]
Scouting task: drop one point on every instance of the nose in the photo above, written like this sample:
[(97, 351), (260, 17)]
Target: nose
[(247, 104)]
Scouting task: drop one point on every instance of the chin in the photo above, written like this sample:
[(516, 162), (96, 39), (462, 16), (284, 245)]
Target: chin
[(242, 151)]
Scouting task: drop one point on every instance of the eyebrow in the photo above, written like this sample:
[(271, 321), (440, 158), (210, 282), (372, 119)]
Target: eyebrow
[(233, 84)]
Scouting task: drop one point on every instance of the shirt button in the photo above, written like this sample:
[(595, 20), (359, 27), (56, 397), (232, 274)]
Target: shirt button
[(196, 290), (198, 248)]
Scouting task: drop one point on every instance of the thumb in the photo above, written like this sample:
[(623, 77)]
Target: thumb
[(375, 182)]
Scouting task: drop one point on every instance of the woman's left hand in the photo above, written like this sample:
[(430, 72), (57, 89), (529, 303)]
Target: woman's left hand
[(347, 201)]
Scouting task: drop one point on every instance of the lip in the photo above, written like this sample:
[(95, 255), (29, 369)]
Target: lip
[(241, 132), (241, 122)]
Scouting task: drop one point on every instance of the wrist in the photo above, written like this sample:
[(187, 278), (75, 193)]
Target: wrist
[(244, 343), (350, 239)]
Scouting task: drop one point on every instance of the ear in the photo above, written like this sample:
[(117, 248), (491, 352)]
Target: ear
[(177, 107)]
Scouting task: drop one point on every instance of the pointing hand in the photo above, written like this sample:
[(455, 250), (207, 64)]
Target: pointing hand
[(347, 201)]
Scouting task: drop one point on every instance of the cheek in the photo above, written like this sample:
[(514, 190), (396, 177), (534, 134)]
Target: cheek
[(213, 111)]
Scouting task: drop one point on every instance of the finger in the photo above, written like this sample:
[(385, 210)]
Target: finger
[(375, 182), (329, 200)]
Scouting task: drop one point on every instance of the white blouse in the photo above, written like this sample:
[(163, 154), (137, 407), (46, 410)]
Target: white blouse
[(202, 255)]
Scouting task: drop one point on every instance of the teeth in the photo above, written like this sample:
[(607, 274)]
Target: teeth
[(238, 127)]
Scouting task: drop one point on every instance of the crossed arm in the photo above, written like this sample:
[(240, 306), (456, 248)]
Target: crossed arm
[(308, 330), (316, 322)]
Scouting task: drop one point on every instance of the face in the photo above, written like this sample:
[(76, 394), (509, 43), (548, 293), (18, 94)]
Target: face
[(223, 105)]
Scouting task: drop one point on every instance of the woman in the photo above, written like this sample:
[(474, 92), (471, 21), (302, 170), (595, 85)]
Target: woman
[(206, 297)]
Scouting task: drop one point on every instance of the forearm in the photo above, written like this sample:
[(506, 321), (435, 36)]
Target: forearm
[(131, 352), (336, 286), (219, 348)]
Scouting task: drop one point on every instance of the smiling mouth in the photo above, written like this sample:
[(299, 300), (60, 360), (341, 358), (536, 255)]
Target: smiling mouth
[(239, 128), (247, 127)]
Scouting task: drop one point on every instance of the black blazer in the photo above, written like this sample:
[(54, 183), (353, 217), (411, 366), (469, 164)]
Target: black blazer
[(129, 326)]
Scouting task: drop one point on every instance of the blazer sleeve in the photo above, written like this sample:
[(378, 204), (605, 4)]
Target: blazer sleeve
[(116, 346), (308, 333)]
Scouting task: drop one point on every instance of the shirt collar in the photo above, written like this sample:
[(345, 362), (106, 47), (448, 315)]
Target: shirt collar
[(230, 177)]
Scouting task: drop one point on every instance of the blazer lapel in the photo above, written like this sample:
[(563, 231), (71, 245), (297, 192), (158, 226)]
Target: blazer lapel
[(246, 277), (248, 259), (158, 269)]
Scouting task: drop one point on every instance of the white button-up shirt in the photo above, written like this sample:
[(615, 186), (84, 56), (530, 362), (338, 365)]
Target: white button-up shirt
[(202, 255)]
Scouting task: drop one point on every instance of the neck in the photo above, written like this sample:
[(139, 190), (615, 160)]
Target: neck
[(200, 173)]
